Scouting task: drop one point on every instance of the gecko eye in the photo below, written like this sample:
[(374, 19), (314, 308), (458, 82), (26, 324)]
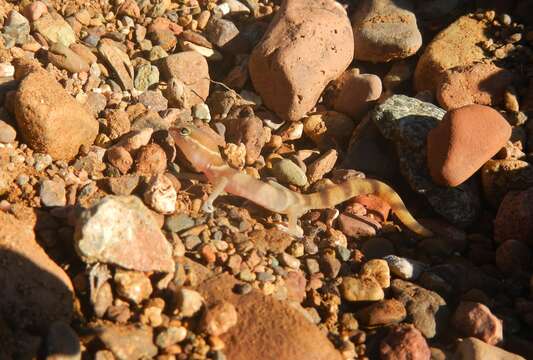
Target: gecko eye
[(185, 131)]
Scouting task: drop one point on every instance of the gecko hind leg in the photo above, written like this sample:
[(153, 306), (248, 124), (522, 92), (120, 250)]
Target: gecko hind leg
[(218, 189)]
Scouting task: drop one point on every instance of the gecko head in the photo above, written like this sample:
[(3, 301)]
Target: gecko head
[(199, 146)]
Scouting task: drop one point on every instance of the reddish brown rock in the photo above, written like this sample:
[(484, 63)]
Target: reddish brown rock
[(35, 291), (513, 256), (352, 93), (120, 158), (514, 219), (151, 160), (266, 328), (191, 68), (304, 48), (374, 205), (50, 120), (385, 312), (404, 342), (476, 320), (358, 226), (482, 84), (246, 128), (463, 141)]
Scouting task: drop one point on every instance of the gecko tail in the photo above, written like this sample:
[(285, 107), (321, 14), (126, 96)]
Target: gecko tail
[(335, 195)]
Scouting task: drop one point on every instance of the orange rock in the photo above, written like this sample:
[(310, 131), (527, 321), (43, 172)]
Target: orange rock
[(374, 205), (464, 140)]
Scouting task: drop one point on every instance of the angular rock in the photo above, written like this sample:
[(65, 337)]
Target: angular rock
[(406, 122), (404, 342), (7, 133), (128, 342), (304, 48), (52, 193), (385, 30), (457, 45), (119, 62), (499, 177), (266, 328), (328, 129), (361, 289), (353, 93), (64, 58), (44, 109), (191, 68), (55, 29), (219, 318), (120, 230), (35, 290), (514, 217), (480, 83), (476, 320), (463, 141), (247, 128), (475, 349), (385, 312)]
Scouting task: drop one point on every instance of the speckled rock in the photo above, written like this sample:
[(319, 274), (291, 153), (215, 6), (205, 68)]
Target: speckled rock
[(121, 230), (35, 290), (404, 342), (514, 217), (463, 141), (42, 105), (480, 83), (476, 320), (406, 122), (385, 30), (457, 45), (302, 51), (498, 177)]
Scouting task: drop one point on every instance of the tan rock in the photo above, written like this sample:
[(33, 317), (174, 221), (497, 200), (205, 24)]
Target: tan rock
[(475, 319), (475, 349), (35, 290), (266, 328), (457, 45), (498, 177), (304, 48), (64, 58), (463, 141), (50, 120), (404, 342), (480, 83)]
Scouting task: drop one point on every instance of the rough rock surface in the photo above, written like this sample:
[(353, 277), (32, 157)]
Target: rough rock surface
[(498, 177), (514, 217), (282, 333), (35, 290), (475, 319), (475, 349), (463, 141), (122, 231), (385, 30), (406, 122), (304, 48), (456, 45), (404, 342), (44, 110)]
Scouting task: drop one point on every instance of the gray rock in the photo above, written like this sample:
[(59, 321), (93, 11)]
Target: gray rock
[(426, 309), (52, 193), (221, 32), (146, 76), (120, 230), (128, 342), (16, 28), (406, 122), (55, 29), (178, 222)]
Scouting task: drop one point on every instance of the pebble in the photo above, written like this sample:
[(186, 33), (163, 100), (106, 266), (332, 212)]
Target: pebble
[(146, 76), (499, 177), (52, 193), (404, 342), (404, 268), (62, 342), (374, 205), (454, 154), (513, 220), (7, 133), (16, 28), (246, 128), (35, 10), (361, 289), (480, 83), (178, 222), (119, 62), (476, 320), (42, 104), (353, 93), (54, 29), (279, 71), (219, 318), (456, 45), (36, 290), (150, 160), (513, 256), (189, 302), (120, 230), (322, 166), (221, 32), (126, 342), (64, 58), (473, 349), (290, 261), (134, 286), (328, 128), (191, 68), (155, 101), (382, 313), (170, 336), (287, 172), (201, 112), (385, 30), (378, 270), (357, 226)]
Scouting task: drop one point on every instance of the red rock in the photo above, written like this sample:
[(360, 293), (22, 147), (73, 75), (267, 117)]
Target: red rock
[(476, 320), (358, 226), (404, 342), (374, 205), (514, 219), (464, 140), (304, 48), (295, 282), (151, 159), (352, 93), (120, 158), (513, 256), (482, 84)]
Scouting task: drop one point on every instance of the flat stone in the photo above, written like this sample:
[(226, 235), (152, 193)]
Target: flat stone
[(120, 230), (55, 29), (35, 290), (361, 289), (119, 62), (287, 172), (64, 58), (52, 193), (385, 312), (406, 122), (303, 50), (475, 349), (457, 45), (7, 133), (385, 30), (42, 105), (128, 342)]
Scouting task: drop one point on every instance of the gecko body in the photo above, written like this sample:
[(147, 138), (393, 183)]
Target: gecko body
[(201, 148)]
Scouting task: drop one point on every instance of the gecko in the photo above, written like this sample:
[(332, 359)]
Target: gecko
[(201, 147)]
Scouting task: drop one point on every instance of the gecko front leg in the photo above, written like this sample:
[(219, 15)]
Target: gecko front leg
[(220, 185)]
